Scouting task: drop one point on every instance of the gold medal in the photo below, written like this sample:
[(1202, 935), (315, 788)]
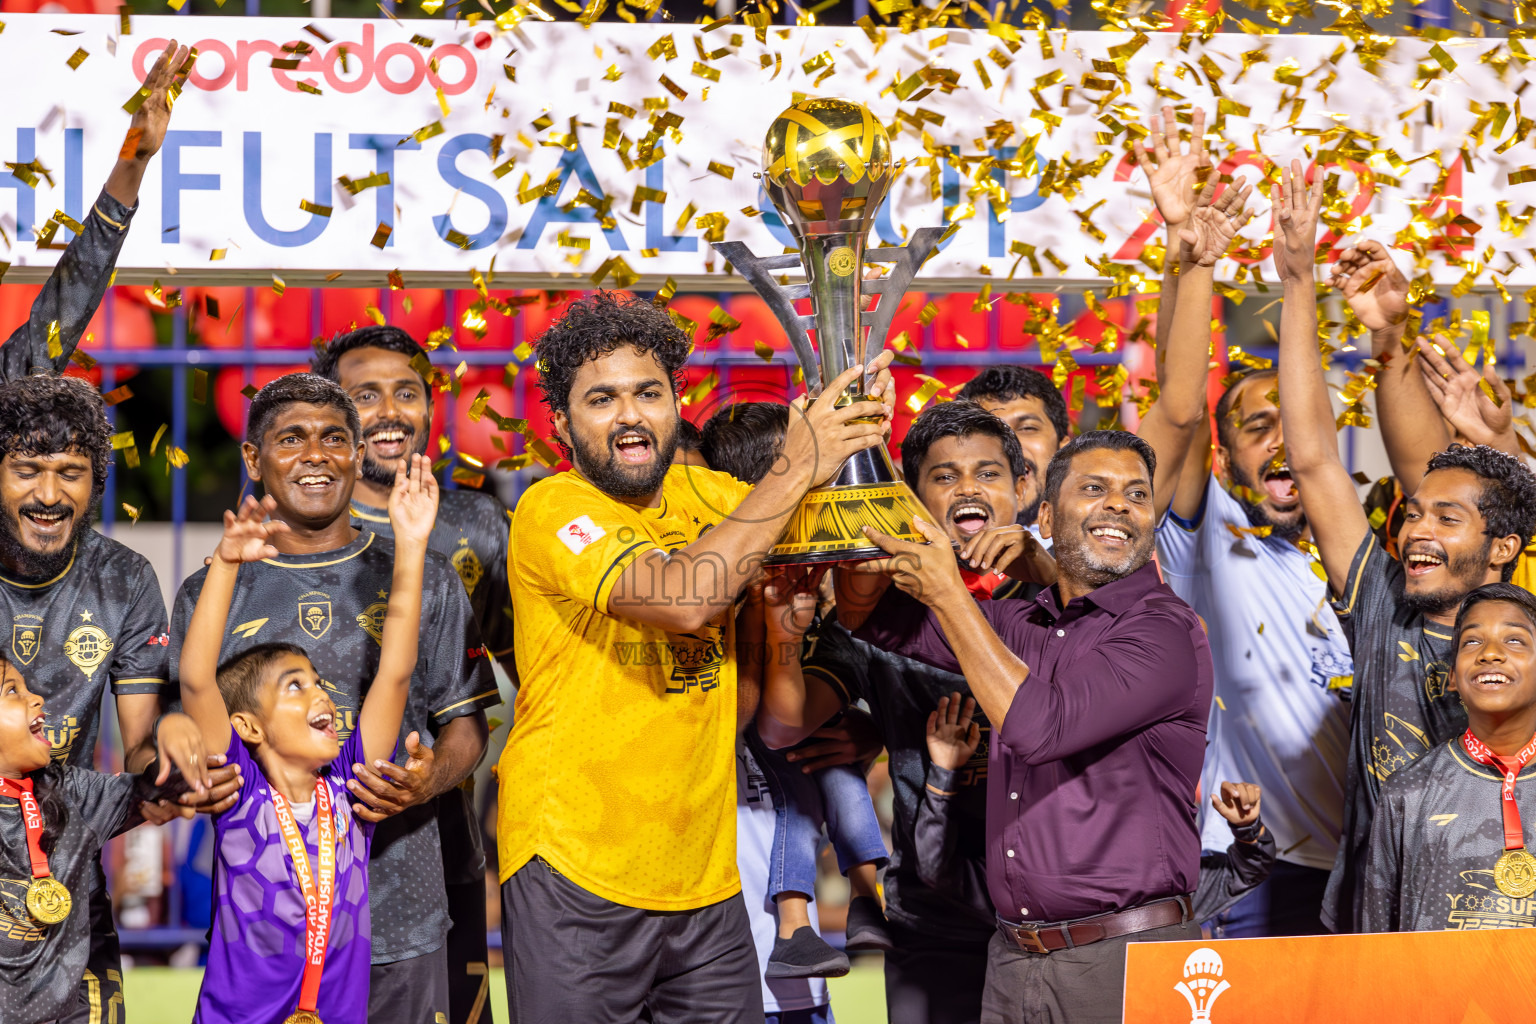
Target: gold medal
[(48, 901), (303, 1017), (1515, 874)]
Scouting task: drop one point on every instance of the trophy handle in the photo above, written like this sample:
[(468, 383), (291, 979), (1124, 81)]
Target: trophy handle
[(781, 300), (905, 260)]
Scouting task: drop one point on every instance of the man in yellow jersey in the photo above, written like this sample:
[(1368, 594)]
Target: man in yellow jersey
[(617, 821)]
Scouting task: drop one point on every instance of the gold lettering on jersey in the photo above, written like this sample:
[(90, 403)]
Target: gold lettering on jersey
[(26, 637), (467, 564), (62, 737), (87, 646), (315, 613), (1401, 743), (16, 922), (372, 618), (1487, 910), (346, 712)]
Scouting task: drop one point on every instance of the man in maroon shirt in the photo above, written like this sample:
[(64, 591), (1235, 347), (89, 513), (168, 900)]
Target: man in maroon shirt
[(1099, 690)]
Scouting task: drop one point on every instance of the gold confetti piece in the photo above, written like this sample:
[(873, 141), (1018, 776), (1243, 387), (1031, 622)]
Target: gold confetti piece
[(306, 87), (923, 394), (426, 132), (381, 235), (673, 88), (76, 59), (1221, 704), (277, 285), (134, 102), (452, 235), (542, 451), (662, 49), (1523, 175), (1377, 517), (356, 187), (133, 513), (724, 170), (117, 395), (158, 435), (1444, 59), (701, 390), (704, 71), (174, 458), (315, 208), (523, 351), (55, 346), (122, 440), (124, 12), (467, 477), (82, 359), (249, 391), (200, 386), (3, 268)]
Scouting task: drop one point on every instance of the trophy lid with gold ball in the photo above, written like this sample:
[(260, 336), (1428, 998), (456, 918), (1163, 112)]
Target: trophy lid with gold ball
[(828, 169)]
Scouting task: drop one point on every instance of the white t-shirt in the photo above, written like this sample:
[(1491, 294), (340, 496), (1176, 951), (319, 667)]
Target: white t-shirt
[(1276, 644), (754, 845)]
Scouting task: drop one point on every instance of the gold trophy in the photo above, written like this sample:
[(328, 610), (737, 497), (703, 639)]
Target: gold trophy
[(828, 169)]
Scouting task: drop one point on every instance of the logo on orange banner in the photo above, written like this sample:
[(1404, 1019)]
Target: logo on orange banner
[(1456, 977)]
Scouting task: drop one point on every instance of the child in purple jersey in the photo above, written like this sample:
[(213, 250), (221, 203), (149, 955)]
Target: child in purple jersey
[(268, 707)]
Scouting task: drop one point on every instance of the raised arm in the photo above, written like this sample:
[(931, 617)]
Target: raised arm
[(681, 591), (74, 290), (1328, 495), (246, 538), (1178, 424), (793, 704), (412, 511), (1478, 406), (1411, 425)]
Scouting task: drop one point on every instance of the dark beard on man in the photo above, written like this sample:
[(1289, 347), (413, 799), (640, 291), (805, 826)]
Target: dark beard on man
[(379, 474), (1258, 515), (602, 466), (34, 564), (1466, 575)]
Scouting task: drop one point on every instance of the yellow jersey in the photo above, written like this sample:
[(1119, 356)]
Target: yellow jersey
[(620, 770), (1525, 569)]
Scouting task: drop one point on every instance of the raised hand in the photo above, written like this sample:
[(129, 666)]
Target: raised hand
[(822, 435), (248, 534), (413, 501), (1458, 390), (953, 735), (146, 132), (928, 571), (1238, 802), (1173, 174), (1372, 285), (1213, 224), (1297, 211)]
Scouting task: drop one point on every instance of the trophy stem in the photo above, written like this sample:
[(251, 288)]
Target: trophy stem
[(833, 263)]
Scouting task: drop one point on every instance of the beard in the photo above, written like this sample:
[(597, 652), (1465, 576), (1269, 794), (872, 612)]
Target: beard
[(1078, 562), (1030, 513), (379, 474), (1259, 515), (601, 465), (37, 564), (1466, 575)]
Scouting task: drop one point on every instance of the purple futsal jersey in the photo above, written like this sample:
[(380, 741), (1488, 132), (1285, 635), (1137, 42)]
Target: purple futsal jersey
[(256, 957)]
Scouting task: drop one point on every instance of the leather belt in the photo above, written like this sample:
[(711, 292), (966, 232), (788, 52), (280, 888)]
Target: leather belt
[(1070, 934)]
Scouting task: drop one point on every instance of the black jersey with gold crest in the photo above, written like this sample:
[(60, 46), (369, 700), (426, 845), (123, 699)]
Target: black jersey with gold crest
[(471, 532), (332, 604), (1437, 834), (99, 623)]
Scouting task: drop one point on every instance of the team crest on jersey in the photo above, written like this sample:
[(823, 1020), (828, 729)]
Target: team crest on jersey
[(467, 564), (87, 646), (26, 636), (372, 618), (580, 533), (315, 613)]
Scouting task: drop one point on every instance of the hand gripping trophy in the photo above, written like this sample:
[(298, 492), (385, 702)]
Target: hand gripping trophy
[(828, 169)]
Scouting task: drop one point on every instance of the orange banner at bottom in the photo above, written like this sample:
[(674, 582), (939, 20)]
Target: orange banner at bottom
[(1485, 977)]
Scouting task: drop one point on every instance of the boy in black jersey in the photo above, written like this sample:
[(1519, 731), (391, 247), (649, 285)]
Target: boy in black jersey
[(381, 369), (327, 592), (1448, 842)]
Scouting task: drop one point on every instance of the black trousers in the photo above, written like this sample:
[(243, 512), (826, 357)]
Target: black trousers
[(101, 987), (933, 981), (573, 957), (1085, 985), (413, 991), (469, 976)]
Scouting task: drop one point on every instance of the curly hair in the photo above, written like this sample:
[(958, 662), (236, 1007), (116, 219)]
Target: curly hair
[(47, 415), (593, 327), (955, 419), (297, 389), (1113, 440), (1508, 501), (327, 361), (1007, 382)]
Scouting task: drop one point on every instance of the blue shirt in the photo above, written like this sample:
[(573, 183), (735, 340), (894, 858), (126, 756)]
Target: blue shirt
[(1276, 644)]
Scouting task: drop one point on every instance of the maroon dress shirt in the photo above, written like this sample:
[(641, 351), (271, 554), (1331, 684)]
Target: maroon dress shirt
[(1092, 774)]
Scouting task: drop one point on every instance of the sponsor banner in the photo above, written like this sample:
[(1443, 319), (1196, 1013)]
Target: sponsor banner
[(560, 150), (1451, 976)]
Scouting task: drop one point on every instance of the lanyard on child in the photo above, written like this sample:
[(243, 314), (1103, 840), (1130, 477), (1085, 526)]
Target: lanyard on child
[(1515, 872), (48, 901), (318, 895)]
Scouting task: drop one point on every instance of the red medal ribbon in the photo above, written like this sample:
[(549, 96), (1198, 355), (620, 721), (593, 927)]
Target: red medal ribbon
[(1514, 833), (317, 897), (32, 818)]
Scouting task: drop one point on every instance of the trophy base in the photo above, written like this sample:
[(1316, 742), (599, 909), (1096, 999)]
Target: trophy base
[(829, 524)]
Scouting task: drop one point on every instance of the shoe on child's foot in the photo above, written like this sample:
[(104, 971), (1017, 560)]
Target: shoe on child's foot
[(805, 955), (867, 929)]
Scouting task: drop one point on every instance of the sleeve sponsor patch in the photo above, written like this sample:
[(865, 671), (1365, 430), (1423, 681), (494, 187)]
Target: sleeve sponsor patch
[(580, 533)]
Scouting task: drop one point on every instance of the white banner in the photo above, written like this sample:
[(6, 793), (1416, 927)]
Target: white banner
[(456, 138)]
